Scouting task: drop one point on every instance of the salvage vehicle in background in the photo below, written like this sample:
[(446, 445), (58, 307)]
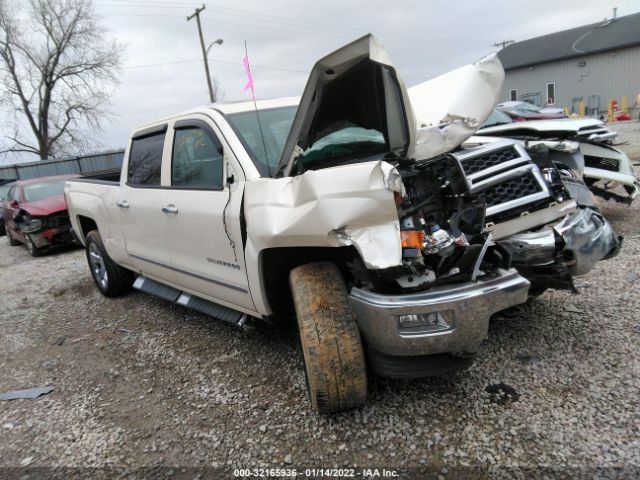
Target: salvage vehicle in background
[(35, 214), (353, 207), (602, 166), (524, 111), (4, 189)]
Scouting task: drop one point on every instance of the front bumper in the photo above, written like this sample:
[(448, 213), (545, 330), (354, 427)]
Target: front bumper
[(578, 241), (52, 237), (460, 315), (629, 181)]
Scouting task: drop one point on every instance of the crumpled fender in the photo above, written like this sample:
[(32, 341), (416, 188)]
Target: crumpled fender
[(347, 205)]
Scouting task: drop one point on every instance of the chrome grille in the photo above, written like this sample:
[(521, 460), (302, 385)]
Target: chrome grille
[(610, 164), (491, 159), (511, 189), (504, 174)]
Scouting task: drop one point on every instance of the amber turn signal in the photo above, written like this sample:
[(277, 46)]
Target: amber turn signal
[(412, 238)]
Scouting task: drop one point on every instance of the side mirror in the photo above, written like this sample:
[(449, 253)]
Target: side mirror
[(230, 179), (13, 204)]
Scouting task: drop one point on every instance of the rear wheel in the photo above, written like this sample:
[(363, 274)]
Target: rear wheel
[(12, 241), (331, 345), (31, 247), (110, 278)]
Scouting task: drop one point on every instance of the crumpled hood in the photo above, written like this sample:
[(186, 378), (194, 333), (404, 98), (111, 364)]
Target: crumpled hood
[(354, 86), (559, 125), (450, 108), (45, 207)]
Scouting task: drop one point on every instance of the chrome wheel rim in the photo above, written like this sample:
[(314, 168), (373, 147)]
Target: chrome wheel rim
[(98, 267)]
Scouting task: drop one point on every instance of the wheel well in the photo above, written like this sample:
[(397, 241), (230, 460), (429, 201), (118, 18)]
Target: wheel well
[(86, 225), (278, 262)]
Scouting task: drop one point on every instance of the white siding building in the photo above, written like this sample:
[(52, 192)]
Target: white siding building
[(593, 64)]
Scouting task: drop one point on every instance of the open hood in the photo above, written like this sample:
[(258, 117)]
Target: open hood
[(357, 88), (451, 107)]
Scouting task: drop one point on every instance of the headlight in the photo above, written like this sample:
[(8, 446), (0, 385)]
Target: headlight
[(32, 225)]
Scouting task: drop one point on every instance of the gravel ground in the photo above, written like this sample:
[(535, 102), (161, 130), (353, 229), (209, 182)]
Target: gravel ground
[(628, 135), (142, 383)]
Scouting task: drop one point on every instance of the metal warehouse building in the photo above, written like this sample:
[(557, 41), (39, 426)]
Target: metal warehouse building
[(591, 64)]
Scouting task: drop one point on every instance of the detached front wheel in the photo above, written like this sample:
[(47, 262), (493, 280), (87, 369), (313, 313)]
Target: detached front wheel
[(331, 345), (110, 278)]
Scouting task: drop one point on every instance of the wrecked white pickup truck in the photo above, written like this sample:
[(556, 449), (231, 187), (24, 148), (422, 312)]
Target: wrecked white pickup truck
[(595, 159), (351, 207)]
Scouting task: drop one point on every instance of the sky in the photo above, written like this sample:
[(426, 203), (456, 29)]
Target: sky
[(163, 71)]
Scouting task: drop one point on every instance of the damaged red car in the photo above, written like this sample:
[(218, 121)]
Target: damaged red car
[(35, 213)]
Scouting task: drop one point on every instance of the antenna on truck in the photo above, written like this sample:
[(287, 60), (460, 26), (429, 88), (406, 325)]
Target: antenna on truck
[(255, 106)]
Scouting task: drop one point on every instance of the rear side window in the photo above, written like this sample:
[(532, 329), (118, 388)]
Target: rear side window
[(145, 160), (197, 159)]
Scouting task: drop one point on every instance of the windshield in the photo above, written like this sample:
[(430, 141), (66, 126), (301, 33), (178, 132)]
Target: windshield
[(496, 118), (39, 191), (265, 144)]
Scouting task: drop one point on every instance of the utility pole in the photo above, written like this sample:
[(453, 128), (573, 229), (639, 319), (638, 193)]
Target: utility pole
[(204, 52), (504, 43)]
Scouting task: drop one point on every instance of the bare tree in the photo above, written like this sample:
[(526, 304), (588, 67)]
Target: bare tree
[(56, 72)]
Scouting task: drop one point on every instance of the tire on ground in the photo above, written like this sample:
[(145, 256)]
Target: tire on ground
[(12, 241), (31, 247), (331, 345), (119, 279)]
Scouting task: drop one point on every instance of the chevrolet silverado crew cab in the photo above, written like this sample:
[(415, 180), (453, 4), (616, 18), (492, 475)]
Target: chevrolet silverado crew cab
[(351, 207)]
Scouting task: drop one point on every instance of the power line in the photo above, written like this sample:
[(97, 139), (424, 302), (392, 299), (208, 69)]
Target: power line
[(161, 64), (336, 35), (127, 5), (287, 21), (226, 62), (139, 15), (263, 16), (298, 22), (253, 65), (128, 2)]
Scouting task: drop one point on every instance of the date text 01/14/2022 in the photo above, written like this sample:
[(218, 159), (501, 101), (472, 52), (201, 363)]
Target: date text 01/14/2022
[(315, 473)]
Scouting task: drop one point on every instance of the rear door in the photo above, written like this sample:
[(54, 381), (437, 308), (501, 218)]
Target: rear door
[(143, 205), (206, 188)]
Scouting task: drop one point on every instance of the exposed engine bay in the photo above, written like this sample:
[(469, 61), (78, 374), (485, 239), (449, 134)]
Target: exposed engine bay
[(462, 216), (441, 229)]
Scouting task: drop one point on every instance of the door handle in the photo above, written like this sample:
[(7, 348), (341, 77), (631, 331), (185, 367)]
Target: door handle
[(171, 208), (123, 204)]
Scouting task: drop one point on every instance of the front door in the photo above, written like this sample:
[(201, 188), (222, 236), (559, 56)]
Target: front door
[(205, 235)]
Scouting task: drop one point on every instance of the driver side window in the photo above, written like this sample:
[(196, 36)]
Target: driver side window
[(197, 160)]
